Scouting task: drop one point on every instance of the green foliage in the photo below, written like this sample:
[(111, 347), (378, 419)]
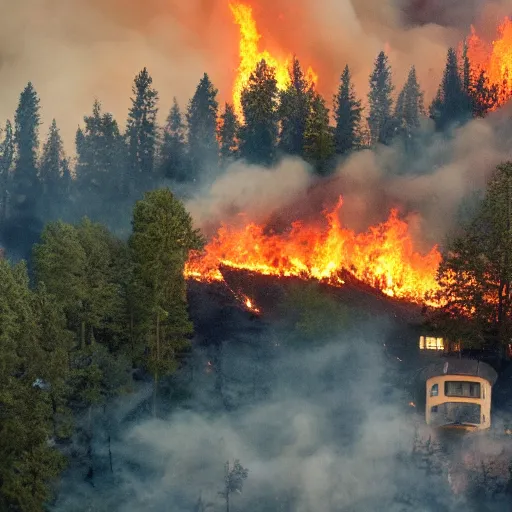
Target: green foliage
[(409, 107), (294, 109), (161, 240), (27, 379), (228, 134), (141, 133), (347, 114), (258, 134), (202, 113), (318, 136), (380, 120), (6, 162), (173, 151), (451, 103), (476, 270), (26, 137)]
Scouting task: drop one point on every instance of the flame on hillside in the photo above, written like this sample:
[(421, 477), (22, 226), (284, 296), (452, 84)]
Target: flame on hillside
[(382, 257), (494, 58), (251, 55)]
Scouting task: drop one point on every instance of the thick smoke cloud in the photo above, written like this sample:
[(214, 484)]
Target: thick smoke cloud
[(76, 51), (319, 430), (428, 186)]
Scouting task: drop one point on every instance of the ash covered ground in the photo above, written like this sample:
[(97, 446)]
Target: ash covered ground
[(311, 395)]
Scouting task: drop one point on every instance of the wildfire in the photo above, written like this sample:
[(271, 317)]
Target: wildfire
[(495, 59), (250, 55), (383, 257)]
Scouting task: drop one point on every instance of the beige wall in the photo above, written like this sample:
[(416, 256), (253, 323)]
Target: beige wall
[(484, 400)]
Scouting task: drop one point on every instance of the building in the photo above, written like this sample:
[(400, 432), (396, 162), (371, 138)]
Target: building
[(458, 394)]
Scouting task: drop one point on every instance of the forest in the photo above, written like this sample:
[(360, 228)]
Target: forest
[(93, 294)]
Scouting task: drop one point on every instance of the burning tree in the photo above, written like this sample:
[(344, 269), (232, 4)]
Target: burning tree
[(234, 478), (476, 272)]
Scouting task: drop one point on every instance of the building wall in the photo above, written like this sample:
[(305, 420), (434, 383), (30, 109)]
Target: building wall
[(484, 401)]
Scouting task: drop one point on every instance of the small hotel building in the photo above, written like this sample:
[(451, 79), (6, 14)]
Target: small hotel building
[(458, 394)]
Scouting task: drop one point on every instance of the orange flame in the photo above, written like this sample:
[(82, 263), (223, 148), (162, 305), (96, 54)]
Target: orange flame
[(383, 257), (495, 58), (250, 56)]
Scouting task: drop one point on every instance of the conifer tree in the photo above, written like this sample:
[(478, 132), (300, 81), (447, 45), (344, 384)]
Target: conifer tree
[(318, 137), (101, 163), (484, 96), (141, 133), (258, 134), (294, 107), (347, 114), (451, 103), (6, 162), (26, 137), (228, 134), (160, 243), (173, 151), (203, 148), (51, 172), (409, 107), (380, 119)]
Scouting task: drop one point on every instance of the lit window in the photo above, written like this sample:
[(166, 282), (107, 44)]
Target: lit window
[(434, 391), (431, 343)]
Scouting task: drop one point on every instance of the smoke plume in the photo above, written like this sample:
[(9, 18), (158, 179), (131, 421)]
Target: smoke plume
[(76, 51)]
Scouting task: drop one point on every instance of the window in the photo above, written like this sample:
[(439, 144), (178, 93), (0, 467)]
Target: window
[(456, 413), (462, 389), (431, 343), (434, 390), (433, 408)]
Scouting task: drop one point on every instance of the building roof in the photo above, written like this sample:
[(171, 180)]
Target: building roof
[(449, 366)]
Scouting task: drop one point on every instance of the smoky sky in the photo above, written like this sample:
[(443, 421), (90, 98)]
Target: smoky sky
[(76, 51)]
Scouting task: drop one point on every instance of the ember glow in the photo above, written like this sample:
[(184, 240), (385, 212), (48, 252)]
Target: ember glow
[(250, 55), (494, 58), (382, 257)]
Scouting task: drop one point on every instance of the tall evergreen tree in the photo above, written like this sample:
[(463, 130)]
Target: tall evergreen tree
[(51, 172), (101, 160), (258, 134), (26, 136), (202, 114), (228, 134), (451, 103), (160, 244), (141, 133), (347, 114), (6, 162), (294, 107), (318, 138), (409, 107), (173, 155), (380, 120)]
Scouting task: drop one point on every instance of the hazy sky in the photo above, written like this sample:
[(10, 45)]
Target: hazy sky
[(76, 50)]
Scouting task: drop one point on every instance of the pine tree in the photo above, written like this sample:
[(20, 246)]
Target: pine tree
[(203, 148), (294, 107), (347, 114), (484, 96), (6, 162), (318, 137), (141, 133), (409, 106), (380, 120), (101, 158), (51, 172), (228, 134), (26, 131), (451, 103), (258, 134), (160, 243), (173, 151)]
